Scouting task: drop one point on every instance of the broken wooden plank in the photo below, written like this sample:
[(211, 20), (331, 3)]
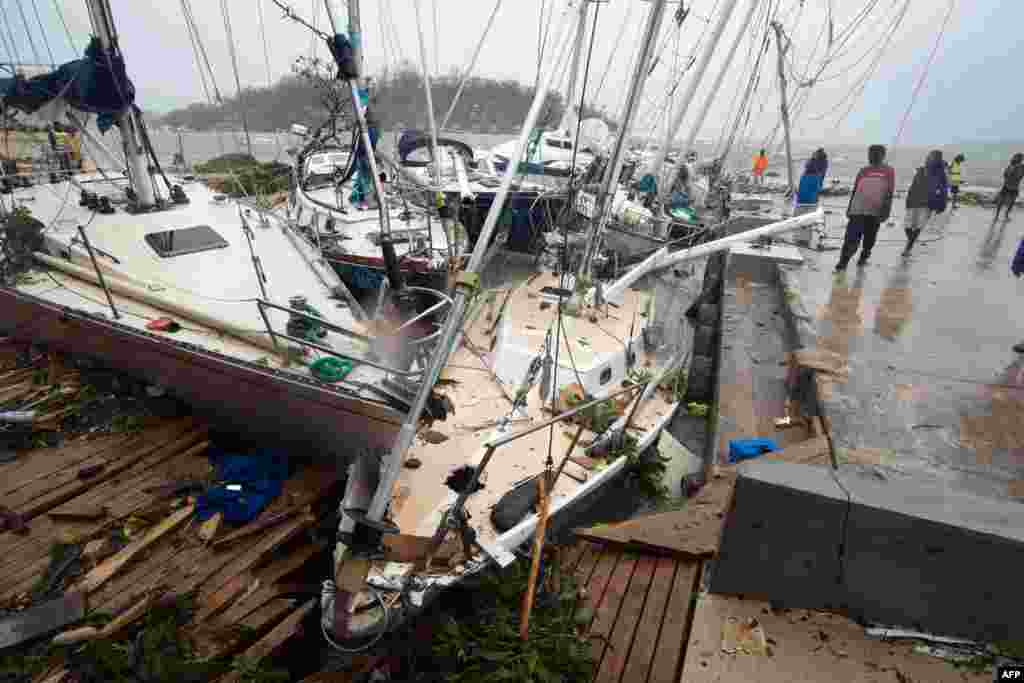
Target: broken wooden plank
[(695, 530), (41, 619), (88, 514), (672, 638), (237, 583), (266, 645), (623, 634), (106, 569), (256, 526), (646, 640), (209, 528)]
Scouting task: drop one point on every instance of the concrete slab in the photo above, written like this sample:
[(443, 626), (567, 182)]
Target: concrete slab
[(933, 383), (782, 536), (912, 552)]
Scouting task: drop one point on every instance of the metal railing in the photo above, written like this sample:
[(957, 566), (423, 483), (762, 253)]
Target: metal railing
[(263, 305)]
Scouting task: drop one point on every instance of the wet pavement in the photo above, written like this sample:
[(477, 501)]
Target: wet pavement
[(934, 388)]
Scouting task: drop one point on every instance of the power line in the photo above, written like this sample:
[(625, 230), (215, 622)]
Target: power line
[(927, 67)]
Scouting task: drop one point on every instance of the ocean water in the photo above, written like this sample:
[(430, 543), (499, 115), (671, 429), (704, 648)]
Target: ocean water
[(982, 169)]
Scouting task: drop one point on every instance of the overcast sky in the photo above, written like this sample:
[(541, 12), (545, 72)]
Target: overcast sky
[(971, 92)]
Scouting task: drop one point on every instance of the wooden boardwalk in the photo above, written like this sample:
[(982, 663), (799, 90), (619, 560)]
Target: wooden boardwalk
[(642, 605), (658, 627)]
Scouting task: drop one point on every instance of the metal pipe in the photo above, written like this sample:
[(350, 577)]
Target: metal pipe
[(472, 65), (392, 464), (614, 168), (662, 259), (691, 89), (99, 273)]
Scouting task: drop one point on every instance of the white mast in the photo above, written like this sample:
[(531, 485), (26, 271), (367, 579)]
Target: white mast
[(783, 102), (570, 94), (663, 188), (611, 173), (699, 71), (127, 122)]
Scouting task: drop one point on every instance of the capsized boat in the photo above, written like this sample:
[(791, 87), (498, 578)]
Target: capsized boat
[(220, 303)]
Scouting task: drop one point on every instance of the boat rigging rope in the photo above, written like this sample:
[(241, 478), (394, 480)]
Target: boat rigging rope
[(28, 33), (615, 48), (60, 14), (42, 31), (924, 75), (190, 18), (437, 43), (263, 38), (234, 66), (564, 274), (10, 34), (472, 64)]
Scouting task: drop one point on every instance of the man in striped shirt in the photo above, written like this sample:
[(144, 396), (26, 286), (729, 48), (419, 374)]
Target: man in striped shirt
[(870, 206)]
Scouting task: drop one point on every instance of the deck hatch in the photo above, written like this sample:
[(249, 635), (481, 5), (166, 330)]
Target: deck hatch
[(181, 241)]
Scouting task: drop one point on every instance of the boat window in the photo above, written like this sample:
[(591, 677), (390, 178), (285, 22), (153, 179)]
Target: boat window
[(183, 241), (606, 376)]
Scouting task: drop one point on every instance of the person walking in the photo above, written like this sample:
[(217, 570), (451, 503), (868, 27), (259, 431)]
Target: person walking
[(813, 178), (954, 179), (870, 206), (925, 198), (1017, 268), (1012, 176), (760, 166)]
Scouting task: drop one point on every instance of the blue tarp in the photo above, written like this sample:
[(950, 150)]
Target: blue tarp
[(97, 84), (258, 476), (744, 449)]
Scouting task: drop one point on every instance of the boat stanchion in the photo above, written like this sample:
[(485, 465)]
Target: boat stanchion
[(99, 273)]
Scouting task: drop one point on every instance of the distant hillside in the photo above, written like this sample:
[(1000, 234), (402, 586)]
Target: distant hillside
[(486, 105)]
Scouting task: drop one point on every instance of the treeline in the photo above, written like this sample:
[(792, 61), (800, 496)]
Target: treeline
[(487, 105)]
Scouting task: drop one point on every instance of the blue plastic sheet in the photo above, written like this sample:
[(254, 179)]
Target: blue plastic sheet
[(745, 449), (97, 83)]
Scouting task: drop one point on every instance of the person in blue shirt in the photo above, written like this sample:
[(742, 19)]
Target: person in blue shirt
[(813, 178)]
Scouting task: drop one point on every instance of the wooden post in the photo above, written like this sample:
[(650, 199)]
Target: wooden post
[(538, 547)]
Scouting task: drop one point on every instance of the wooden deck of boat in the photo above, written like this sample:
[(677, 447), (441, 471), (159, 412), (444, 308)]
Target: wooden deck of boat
[(654, 625)]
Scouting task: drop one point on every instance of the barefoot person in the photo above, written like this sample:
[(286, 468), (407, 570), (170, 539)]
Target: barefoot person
[(925, 198), (1012, 176), (870, 206)]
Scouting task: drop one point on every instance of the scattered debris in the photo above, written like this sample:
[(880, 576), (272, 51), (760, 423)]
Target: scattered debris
[(41, 619), (744, 636)]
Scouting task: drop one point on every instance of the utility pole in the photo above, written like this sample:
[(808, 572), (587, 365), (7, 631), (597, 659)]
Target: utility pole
[(783, 102)]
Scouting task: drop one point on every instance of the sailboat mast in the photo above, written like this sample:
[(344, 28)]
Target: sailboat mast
[(698, 73), (574, 69), (138, 167), (691, 138), (783, 103), (614, 168)]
